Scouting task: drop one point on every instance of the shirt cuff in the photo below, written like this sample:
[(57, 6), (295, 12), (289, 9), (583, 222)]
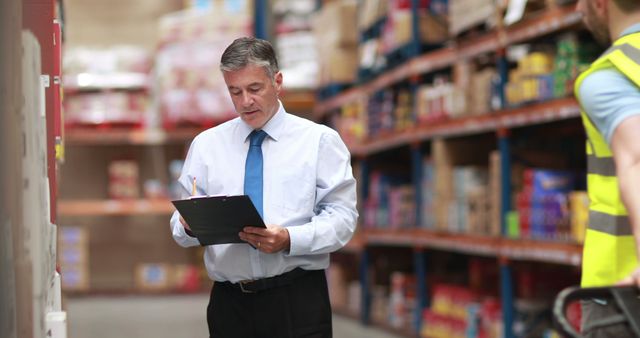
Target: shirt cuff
[(299, 240)]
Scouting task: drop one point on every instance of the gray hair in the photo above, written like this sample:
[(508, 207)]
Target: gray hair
[(249, 50)]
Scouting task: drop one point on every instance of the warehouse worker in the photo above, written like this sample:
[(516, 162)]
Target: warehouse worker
[(609, 95), (302, 184)]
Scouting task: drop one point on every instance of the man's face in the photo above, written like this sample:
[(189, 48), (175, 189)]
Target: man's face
[(254, 94), (594, 16)]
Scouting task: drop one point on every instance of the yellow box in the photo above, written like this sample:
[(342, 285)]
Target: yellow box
[(579, 206)]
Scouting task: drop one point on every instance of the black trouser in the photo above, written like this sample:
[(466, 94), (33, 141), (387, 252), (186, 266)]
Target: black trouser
[(300, 308)]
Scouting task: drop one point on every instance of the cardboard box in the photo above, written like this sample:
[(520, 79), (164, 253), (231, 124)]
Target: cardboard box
[(370, 12), (432, 29), (338, 65), (333, 24), (464, 14)]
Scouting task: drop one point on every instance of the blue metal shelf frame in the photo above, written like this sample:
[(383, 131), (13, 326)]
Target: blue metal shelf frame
[(419, 253), (365, 292), (415, 28), (420, 263), (261, 19), (506, 285), (365, 301)]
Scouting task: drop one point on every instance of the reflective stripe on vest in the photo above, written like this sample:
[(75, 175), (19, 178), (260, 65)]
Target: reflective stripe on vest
[(609, 248), (609, 224), (630, 51), (601, 165)]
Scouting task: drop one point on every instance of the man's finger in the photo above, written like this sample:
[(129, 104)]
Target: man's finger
[(255, 230)]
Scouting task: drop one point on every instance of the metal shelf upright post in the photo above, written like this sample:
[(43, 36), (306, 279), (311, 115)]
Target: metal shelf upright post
[(420, 259), (365, 293), (261, 19), (419, 254), (415, 28), (506, 285)]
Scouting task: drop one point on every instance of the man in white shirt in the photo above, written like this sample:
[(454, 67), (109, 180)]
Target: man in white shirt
[(302, 184)]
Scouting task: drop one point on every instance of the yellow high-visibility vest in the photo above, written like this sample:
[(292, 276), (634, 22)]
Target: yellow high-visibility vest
[(609, 252)]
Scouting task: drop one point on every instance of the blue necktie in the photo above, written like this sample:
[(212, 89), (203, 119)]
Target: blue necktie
[(253, 169)]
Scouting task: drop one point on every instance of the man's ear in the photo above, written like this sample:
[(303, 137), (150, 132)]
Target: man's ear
[(278, 82)]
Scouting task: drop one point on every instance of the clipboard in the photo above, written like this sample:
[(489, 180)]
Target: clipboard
[(219, 219)]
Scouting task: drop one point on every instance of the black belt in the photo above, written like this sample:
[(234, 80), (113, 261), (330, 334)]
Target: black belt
[(257, 285)]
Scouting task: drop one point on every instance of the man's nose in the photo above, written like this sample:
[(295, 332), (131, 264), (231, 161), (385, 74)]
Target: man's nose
[(246, 99)]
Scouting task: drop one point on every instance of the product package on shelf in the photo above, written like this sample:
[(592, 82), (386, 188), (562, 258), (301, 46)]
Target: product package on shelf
[(461, 186), (548, 71), (439, 101), (107, 87), (579, 206), (153, 276), (296, 43), (351, 123), (403, 110), (106, 109), (73, 258), (165, 277), (532, 80), (457, 311), (298, 59), (391, 203), (402, 300), (380, 119), (573, 56), (191, 89), (380, 303), (469, 211), (124, 179), (428, 195), (543, 204)]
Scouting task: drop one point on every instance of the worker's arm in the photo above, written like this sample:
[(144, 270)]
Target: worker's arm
[(625, 144)]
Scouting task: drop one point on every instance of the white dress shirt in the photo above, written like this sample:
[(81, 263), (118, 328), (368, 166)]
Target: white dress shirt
[(308, 187)]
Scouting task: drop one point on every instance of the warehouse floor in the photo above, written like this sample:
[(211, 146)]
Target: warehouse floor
[(167, 316)]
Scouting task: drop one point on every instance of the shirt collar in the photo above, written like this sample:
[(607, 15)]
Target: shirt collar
[(273, 127), (635, 28)]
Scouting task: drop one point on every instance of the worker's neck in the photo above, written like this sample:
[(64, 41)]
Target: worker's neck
[(619, 21)]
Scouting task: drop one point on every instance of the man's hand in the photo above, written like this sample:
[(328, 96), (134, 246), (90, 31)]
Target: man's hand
[(270, 240), (632, 279), (184, 223)]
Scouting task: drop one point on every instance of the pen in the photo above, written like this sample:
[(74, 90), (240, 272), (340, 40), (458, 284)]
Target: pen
[(193, 189)]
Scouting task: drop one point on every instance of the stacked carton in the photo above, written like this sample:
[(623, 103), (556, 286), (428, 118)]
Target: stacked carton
[(465, 14), (337, 42)]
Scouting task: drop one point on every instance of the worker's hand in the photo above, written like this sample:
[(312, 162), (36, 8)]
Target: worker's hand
[(184, 223), (632, 279), (270, 240)]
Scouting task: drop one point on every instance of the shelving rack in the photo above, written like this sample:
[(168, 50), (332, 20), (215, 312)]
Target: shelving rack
[(553, 19)]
